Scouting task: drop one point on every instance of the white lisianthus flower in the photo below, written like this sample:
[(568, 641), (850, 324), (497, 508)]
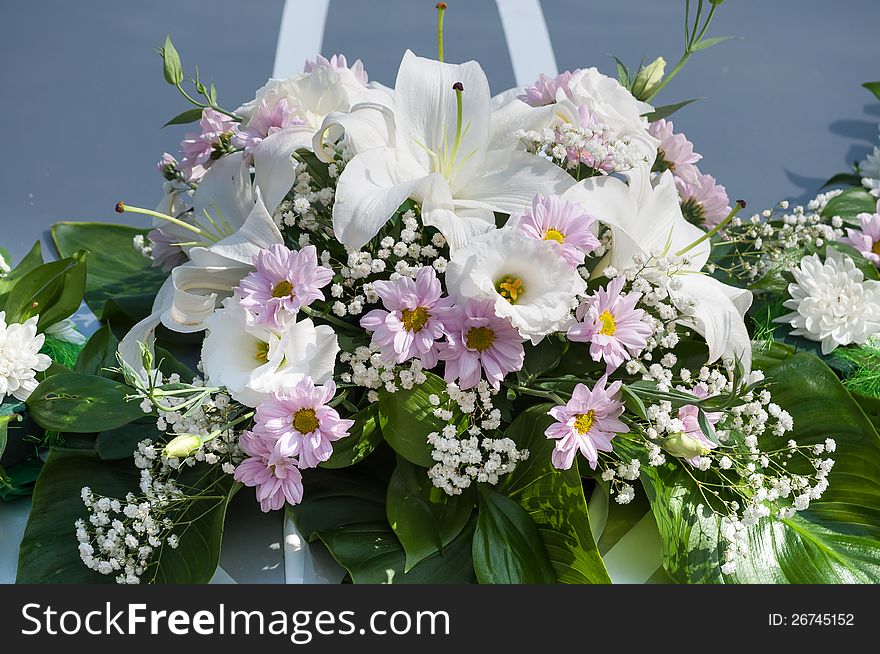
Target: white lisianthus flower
[(832, 302), (529, 282), (20, 359), (251, 361)]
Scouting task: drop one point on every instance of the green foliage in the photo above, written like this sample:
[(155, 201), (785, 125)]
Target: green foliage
[(364, 437), (865, 375), (53, 290), (407, 417), (850, 203)]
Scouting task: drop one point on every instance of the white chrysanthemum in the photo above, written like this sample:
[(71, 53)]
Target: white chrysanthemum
[(869, 169), (832, 303), (251, 361), (527, 279), (19, 358)]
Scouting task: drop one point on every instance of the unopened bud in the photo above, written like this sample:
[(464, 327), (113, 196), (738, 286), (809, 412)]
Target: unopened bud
[(685, 446), (648, 79), (182, 446)]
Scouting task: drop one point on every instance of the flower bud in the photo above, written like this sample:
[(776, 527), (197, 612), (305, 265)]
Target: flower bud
[(182, 446), (685, 446), (648, 79)]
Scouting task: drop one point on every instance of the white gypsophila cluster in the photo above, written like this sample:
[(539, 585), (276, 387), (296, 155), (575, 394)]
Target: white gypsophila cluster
[(369, 370), (570, 146), (142, 246), (20, 358), (463, 452), (831, 302), (124, 537), (775, 242), (309, 204)]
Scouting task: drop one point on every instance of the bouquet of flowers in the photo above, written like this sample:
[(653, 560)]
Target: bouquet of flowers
[(441, 329)]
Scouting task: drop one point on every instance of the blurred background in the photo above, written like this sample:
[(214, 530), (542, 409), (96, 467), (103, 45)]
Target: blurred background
[(84, 99)]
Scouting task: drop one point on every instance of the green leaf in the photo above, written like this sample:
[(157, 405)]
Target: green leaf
[(98, 353), (116, 269), (30, 261), (120, 443), (850, 203), (53, 290), (407, 417), (171, 69), (873, 87), (540, 359), (622, 74), (424, 518), (843, 179), (507, 545), (705, 44), (185, 117), (554, 499), (836, 540), (49, 551), (73, 402), (364, 437), (668, 109), (371, 554)]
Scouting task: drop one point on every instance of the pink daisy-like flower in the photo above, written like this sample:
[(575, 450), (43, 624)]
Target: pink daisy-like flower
[(480, 340), (675, 152), (284, 281), (693, 439), (412, 320), (567, 224), (610, 323), (586, 423), (867, 239), (277, 479), (544, 90), (338, 62), (266, 121), (300, 423), (198, 150), (703, 201)]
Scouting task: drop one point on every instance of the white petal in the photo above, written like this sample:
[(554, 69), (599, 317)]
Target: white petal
[(144, 331), (275, 170), (368, 125), (225, 193), (196, 293), (510, 114)]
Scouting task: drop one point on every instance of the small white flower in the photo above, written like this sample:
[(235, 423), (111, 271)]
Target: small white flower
[(20, 359)]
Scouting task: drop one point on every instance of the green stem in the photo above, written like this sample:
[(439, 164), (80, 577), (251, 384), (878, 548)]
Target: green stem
[(740, 205), (441, 11), (536, 393)]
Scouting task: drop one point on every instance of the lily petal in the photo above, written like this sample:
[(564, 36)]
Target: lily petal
[(275, 170), (368, 125)]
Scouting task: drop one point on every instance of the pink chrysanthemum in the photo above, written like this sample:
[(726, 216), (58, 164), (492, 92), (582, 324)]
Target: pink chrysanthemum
[(610, 323), (412, 320), (867, 239), (703, 201), (277, 479), (675, 152), (338, 62), (544, 90), (478, 339), (284, 281), (586, 423), (550, 218), (267, 120), (300, 423), (197, 149), (689, 416)]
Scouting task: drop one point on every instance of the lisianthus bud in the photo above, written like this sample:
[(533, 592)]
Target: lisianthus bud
[(648, 79), (685, 446), (182, 446)]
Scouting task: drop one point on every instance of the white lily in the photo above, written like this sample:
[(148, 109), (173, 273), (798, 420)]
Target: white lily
[(439, 156), (646, 218)]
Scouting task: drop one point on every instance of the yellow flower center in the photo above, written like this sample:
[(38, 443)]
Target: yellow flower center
[(415, 319), (282, 289), (608, 325), (510, 288), (876, 248), (584, 421), (554, 235), (479, 338), (305, 421), (262, 352)]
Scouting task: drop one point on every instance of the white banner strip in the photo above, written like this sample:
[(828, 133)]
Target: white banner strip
[(301, 35), (528, 41)]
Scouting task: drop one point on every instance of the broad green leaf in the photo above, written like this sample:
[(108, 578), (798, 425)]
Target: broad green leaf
[(365, 435), (555, 501), (850, 203), (18, 479), (171, 68), (371, 554), (507, 544), (115, 267), (30, 261), (843, 179), (424, 518), (873, 87), (53, 290), (49, 551), (120, 443), (73, 402), (98, 353), (185, 117), (541, 359), (836, 540), (407, 417), (667, 110)]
